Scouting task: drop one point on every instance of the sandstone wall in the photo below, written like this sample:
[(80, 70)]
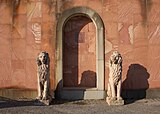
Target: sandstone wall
[(131, 26)]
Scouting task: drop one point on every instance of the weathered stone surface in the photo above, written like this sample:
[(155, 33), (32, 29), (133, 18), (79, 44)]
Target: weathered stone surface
[(125, 11), (108, 46), (18, 49), (6, 13), (125, 33), (18, 72), (31, 78), (34, 33), (5, 77), (5, 31), (5, 52), (20, 7), (19, 26), (34, 11)]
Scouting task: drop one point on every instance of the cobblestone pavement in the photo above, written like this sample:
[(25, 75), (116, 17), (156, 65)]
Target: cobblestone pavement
[(145, 106)]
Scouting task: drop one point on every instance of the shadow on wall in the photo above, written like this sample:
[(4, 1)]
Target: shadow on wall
[(88, 78), (136, 82), (74, 46), (76, 93), (69, 94)]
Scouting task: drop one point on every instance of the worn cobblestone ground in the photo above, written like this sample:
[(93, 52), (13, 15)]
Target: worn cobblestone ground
[(145, 106)]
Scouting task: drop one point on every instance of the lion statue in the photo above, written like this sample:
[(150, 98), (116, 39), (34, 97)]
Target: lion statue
[(115, 77), (43, 76)]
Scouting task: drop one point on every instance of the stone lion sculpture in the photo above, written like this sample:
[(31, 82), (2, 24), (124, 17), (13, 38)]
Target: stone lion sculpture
[(115, 79), (43, 76)]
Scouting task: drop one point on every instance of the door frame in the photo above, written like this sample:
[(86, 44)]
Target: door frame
[(93, 93)]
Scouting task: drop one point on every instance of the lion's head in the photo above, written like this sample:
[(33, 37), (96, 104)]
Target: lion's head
[(116, 57), (43, 58)]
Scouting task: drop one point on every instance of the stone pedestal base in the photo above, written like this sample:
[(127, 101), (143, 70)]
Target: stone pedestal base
[(44, 102), (114, 102)]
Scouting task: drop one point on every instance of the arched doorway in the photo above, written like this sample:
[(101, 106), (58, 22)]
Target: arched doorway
[(80, 55)]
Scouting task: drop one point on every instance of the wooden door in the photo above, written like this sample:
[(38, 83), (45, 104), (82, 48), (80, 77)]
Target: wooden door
[(79, 53)]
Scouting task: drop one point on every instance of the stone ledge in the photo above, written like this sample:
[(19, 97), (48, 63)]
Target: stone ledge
[(80, 94), (18, 93), (141, 94)]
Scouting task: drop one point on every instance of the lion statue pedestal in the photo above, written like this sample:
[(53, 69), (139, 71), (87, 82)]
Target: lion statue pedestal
[(44, 96), (115, 80)]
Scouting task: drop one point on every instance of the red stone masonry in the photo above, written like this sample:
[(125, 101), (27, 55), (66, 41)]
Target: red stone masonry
[(131, 26)]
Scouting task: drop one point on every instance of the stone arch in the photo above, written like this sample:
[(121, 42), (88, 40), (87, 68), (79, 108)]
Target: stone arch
[(65, 16)]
